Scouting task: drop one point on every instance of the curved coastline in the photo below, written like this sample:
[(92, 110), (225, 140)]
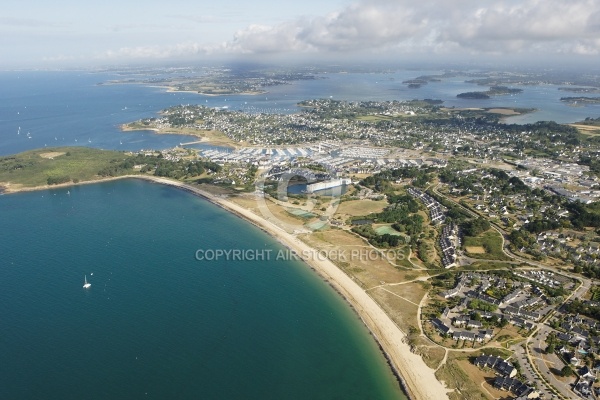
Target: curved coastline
[(417, 379)]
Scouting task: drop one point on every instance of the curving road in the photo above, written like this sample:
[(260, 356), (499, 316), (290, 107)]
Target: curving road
[(535, 364)]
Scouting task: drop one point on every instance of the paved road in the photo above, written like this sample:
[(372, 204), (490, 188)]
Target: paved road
[(508, 253), (529, 373), (545, 363), (536, 345)]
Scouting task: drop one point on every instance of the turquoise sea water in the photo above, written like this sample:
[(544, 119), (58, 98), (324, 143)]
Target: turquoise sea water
[(156, 323)]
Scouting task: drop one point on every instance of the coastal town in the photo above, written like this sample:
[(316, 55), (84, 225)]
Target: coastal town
[(499, 210)]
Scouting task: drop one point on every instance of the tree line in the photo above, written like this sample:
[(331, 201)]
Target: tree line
[(161, 167)]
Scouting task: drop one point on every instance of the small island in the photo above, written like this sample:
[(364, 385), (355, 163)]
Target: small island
[(493, 91), (473, 95), (581, 100), (415, 83)]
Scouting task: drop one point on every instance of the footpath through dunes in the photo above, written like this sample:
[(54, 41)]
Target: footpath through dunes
[(418, 379)]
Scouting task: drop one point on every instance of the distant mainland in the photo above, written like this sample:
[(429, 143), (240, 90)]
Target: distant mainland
[(580, 89), (216, 81)]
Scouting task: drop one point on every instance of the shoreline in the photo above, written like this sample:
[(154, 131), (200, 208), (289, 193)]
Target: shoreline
[(418, 381), (173, 89), (416, 378), (5, 187), (206, 138)]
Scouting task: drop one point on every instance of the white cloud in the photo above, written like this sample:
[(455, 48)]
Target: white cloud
[(267, 39), (593, 23), (505, 27), (471, 26), (586, 48), (362, 26)]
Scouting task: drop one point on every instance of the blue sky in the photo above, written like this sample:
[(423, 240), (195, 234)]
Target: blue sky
[(65, 32)]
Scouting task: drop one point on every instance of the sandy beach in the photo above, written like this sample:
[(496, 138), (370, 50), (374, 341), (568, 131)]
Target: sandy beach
[(417, 378)]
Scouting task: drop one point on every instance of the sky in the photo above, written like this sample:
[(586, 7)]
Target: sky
[(42, 34)]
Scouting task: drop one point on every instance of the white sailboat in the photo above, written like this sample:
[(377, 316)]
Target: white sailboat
[(86, 284)]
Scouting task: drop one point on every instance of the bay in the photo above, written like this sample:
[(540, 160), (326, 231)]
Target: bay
[(157, 323)]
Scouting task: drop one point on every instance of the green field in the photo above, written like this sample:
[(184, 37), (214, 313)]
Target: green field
[(35, 167), (383, 229), (357, 208), (490, 241), (317, 225), (300, 213)]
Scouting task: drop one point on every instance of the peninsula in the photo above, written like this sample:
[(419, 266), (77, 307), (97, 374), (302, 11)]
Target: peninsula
[(212, 81), (208, 136)]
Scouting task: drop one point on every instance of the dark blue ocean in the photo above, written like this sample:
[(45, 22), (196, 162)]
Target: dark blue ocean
[(70, 109), (156, 323)]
